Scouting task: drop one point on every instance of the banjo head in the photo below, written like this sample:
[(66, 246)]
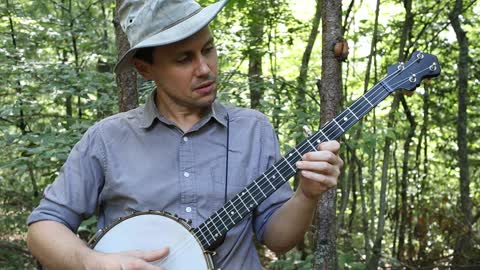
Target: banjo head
[(154, 230)]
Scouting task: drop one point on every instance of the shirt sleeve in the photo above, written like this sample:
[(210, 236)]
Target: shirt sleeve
[(73, 196), (270, 155)]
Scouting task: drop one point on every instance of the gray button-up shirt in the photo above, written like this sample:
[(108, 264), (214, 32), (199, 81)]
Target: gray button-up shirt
[(140, 160)]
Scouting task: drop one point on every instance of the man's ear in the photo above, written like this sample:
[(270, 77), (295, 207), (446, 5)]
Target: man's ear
[(143, 68)]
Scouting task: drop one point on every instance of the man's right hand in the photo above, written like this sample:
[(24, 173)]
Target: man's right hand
[(131, 260)]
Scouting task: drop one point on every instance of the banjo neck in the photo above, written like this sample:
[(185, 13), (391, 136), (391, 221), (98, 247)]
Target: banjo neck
[(400, 76)]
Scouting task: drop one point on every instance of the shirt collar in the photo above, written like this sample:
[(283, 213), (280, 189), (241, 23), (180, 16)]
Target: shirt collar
[(150, 113)]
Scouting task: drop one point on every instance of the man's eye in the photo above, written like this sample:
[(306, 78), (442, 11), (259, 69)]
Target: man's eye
[(183, 59), (208, 49)]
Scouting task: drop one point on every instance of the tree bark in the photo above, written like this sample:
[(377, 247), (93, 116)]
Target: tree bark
[(126, 81), (464, 239), (22, 124), (331, 92), (303, 75), (255, 54), (344, 186), (371, 57), (404, 179), (377, 244)]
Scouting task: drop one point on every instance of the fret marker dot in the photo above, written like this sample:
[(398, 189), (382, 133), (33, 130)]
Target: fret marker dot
[(290, 154), (216, 235), (251, 205), (273, 176), (318, 141), (232, 212), (345, 119)]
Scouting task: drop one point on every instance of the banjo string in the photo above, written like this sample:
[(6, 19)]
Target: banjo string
[(364, 107)]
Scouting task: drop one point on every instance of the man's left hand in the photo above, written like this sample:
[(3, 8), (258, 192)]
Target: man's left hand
[(319, 171)]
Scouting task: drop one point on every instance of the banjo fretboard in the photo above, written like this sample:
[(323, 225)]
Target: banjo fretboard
[(401, 76)]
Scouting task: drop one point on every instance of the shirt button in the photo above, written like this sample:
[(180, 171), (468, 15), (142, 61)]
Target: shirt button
[(188, 209), (186, 174), (185, 139)]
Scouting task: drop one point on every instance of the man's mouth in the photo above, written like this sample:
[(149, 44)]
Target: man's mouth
[(205, 88)]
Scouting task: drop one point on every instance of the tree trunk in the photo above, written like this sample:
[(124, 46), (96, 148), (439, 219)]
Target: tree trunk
[(22, 125), (363, 202), (354, 195), (372, 56), (404, 179), (303, 75), (396, 211), (377, 244), (255, 54), (126, 81), (344, 186), (330, 97), (464, 239)]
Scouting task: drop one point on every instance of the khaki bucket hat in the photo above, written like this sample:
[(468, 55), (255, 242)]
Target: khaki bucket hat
[(152, 23)]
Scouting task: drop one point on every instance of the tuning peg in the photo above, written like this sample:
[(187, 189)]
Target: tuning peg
[(307, 131)]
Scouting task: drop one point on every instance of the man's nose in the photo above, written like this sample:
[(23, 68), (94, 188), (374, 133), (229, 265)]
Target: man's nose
[(202, 68)]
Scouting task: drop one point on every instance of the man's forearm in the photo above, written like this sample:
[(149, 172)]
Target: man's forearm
[(56, 247), (289, 223)]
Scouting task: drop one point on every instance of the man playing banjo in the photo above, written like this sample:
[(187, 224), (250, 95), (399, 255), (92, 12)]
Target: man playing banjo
[(182, 152)]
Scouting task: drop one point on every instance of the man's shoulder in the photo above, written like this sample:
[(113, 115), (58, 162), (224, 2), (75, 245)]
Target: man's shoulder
[(238, 113), (131, 118)]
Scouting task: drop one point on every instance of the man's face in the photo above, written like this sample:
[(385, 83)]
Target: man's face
[(185, 72)]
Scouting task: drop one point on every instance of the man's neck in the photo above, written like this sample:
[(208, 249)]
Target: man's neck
[(183, 117)]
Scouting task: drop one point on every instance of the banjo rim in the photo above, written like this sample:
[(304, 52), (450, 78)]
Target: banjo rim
[(102, 232)]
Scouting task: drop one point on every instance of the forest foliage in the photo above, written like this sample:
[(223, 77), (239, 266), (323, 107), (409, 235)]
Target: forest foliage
[(56, 80)]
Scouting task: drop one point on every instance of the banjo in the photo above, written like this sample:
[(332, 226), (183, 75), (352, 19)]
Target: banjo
[(157, 229)]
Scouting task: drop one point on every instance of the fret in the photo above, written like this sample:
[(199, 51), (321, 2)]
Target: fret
[(269, 182), (256, 183), (225, 210), (365, 97), (354, 115), (251, 197), (279, 173), (290, 165), (236, 210), (299, 154), (226, 228), (343, 130), (240, 198), (203, 235), (386, 86), (208, 230), (314, 148), (215, 226), (321, 131)]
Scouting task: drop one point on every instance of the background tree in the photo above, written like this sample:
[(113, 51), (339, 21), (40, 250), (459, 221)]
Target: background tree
[(57, 59)]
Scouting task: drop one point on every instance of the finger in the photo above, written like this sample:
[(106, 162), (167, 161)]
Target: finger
[(317, 166), (322, 156), (332, 146), (151, 255), (326, 181), (155, 254)]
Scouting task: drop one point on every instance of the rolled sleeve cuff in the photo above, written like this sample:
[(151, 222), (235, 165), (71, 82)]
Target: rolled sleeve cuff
[(268, 208), (49, 210)]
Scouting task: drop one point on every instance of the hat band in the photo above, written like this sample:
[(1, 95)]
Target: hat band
[(179, 21)]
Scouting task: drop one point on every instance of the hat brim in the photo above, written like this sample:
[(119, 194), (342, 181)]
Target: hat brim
[(176, 33)]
